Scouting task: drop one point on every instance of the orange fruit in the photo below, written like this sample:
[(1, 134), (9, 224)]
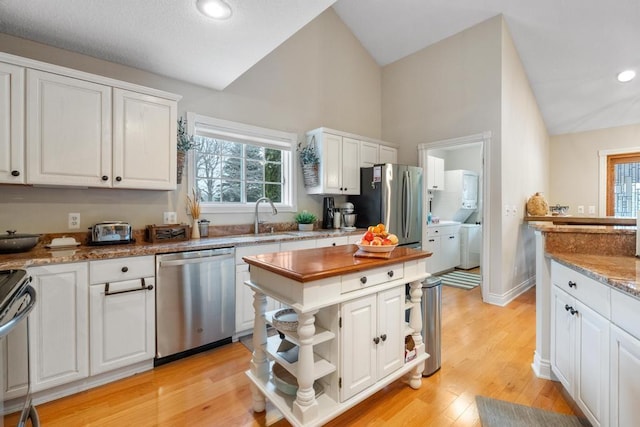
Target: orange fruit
[(381, 227)]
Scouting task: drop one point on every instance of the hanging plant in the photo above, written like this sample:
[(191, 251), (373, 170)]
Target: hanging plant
[(308, 154), (185, 141)]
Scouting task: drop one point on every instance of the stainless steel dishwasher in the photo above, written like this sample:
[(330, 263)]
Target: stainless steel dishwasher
[(195, 302)]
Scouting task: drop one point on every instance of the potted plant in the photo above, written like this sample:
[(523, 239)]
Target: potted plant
[(185, 143), (305, 220), (310, 162)]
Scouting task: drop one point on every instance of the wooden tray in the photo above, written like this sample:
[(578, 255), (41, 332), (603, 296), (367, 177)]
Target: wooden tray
[(362, 254), (168, 233)]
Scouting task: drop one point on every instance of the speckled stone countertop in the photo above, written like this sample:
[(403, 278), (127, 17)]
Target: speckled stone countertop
[(620, 272), (42, 256)]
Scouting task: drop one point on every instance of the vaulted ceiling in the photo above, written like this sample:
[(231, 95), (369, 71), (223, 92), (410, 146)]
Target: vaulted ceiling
[(571, 50)]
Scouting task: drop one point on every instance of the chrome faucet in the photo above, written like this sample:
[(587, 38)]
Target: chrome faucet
[(274, 211)]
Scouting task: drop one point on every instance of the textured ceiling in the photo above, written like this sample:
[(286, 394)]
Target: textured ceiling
[(571, 49)]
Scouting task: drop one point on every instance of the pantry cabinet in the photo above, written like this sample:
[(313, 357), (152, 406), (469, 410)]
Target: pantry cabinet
[(372, 340), (12, 169), (122, 310), (59, 325), (339, 163)]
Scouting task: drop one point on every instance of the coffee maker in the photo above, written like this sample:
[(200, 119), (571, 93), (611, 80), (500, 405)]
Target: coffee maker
[(328, 209)]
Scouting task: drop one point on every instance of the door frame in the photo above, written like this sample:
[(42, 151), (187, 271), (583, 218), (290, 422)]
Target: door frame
[(484, 139)]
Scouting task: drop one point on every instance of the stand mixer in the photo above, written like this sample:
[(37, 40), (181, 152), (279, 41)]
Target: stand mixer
[(348, 217)]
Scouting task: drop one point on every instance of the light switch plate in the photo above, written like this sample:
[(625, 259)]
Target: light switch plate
[(592, 210), (170, 218), (580, 209)]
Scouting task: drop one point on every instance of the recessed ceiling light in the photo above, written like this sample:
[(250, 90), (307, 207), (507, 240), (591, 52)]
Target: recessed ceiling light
[(626, 76), (216, 9)]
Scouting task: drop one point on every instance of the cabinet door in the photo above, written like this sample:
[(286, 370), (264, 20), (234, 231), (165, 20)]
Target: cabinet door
[(15, 357), (368, 154), (331, 163), (435, 173), (450, 251), (144, 141), (387, 154), (12, 169), (68, 131), (59, 325), (563, 338), (390, 348), (350, 166), (433, 262), (359, 350), (592, 364), (122, 325), (625, 378)]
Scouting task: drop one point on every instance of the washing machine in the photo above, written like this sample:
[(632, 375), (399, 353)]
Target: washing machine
[(470, 245)]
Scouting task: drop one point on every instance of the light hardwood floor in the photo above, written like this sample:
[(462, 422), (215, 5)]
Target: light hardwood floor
[(486, 350)]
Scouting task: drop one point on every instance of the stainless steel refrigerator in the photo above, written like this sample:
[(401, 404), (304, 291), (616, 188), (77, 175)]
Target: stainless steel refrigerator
[(391, 194)]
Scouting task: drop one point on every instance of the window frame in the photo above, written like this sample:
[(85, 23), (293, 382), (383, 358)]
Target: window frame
[(249, 134), (612, 161)]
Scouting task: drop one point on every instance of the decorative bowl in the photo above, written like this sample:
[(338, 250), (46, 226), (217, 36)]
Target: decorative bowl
[(382, 248), (286, 383), (286, 320)]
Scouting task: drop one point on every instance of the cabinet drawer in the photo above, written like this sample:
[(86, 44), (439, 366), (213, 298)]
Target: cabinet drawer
[(363, 279), (120, 269), (625, 312), (442, 230), (591, 292), (332, 241), (255, 250)]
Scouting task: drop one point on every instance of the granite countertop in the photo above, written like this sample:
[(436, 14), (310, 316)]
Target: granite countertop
[(43, 256), (546, 227), (620, 272)]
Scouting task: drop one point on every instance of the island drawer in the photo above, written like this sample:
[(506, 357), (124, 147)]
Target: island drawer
[(376, 276), (625, 312), (594, 294), (119, 269)]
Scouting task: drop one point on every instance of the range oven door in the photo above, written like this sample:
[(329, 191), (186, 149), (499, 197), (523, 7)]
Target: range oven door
[(17, 408)]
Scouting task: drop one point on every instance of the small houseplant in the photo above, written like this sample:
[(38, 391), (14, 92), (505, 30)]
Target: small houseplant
[(185, 143), (310, 162), (305, 220)]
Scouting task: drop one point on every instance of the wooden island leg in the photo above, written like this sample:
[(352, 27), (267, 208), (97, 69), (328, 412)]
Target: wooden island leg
[(415, 322), (305, 407), (259, 362)]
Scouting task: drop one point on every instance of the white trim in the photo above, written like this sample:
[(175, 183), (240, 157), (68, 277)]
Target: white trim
[(602, 174), (352, 136), (483, 138), (513, 293)]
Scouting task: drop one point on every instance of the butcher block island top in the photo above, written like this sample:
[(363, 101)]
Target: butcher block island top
[(314, 264), (349, 336)]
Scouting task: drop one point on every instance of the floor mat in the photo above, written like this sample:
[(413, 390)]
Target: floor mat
[(461, 279), (498, 413)]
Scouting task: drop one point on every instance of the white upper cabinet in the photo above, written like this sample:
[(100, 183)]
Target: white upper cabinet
[(83, 130), (368, 154), (387, 154), (144, 141), (68, 131), (339, 163), (435, 173), (11, 124)]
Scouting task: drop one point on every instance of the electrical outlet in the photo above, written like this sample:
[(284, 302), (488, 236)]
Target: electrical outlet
[(507, 210), (74, 221), (592, 210), (580, 209), (514, 210), (170, 218)]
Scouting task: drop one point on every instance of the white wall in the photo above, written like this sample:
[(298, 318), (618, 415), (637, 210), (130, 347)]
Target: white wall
[(322, 76), (574, 164)]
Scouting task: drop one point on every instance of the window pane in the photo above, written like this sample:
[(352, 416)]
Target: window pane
[(229, 148), (273, 155), (209, 189), (273, 172), (208, 166), (231, 191), (274, 192), (626, 189), (254, 152), (254, 192), (255, 171), (232, 168)]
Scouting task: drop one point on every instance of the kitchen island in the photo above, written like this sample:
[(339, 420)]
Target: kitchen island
[(351, 328)]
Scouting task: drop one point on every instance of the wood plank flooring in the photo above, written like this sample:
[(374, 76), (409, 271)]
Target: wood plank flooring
[(486, 350)]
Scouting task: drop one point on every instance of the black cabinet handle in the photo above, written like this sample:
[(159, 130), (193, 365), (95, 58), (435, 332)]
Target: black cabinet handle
[(573, 284), (573, 311), (452, 237), (333, 244), (376, 340), (124, 269), (390, 273), (384, 337), (118, 178), (15, 173), (363, 280), (105, 178), (432, 240), (567, 307)]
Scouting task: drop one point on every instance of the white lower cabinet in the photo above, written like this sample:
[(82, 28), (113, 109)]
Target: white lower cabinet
[(122, 323), (59, 325), (625, 378), (443, 241), (372, 340), (580, 344), (14, 350)]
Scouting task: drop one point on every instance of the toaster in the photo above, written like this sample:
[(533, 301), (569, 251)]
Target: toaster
[(111, 232)]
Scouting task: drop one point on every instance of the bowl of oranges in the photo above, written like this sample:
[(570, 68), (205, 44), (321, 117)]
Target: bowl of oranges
[(378, 239)]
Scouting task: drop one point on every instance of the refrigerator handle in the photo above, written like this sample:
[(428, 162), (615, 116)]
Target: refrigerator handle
[(410, 199), (405, 203)]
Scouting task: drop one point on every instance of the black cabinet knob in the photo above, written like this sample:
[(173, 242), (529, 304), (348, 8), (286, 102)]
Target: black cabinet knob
[(572, 284), (15, 173), (125, 269), (390, 273), (363, 280), (567, 307), (383, 337), (376, 340), (118, 178), (105, 178)]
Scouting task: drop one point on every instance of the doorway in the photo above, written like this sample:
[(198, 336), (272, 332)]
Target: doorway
[(465, 153)]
